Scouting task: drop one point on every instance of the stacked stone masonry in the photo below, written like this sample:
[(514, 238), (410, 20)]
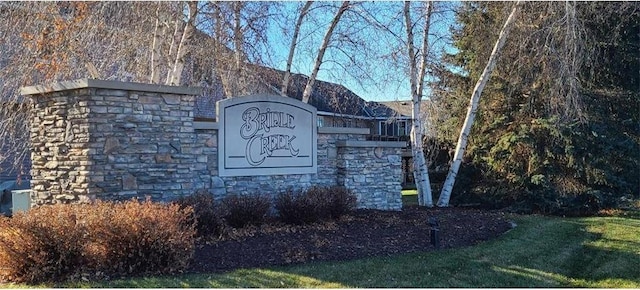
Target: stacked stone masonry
[(110, 140), (373, 174)]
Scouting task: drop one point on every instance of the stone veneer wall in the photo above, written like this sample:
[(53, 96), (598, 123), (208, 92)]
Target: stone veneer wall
[(372, 171), (112, 140)]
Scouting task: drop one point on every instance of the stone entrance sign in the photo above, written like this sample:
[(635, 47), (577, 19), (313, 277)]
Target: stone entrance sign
[(266, 135), (95, 139)]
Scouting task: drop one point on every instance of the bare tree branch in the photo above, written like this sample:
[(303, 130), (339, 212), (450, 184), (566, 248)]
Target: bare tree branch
[(306, 95), (294, 42)]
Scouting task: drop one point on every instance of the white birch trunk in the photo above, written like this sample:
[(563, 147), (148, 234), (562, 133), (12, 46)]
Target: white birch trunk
[(308, 89), (292, 48), (420, 169), (222, 65), (235, 79), (172, 44), (154, 78), (175, 73), (445, 195)]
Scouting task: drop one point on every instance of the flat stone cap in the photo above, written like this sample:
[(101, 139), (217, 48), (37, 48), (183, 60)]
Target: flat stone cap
[(102, 84), (371, 144), (343, 130)]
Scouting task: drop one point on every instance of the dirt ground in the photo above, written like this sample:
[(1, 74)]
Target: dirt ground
[(363, 233)]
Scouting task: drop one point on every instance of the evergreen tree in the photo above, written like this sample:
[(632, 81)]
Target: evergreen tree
[(558, 128)]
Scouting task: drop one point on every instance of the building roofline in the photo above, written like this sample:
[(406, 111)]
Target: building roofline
[(324, 113)]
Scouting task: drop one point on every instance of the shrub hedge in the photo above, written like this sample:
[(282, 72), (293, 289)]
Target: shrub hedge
[(114, 239), (243, 210), (295, 208), (207, 215), (99, 240), (314, 204)]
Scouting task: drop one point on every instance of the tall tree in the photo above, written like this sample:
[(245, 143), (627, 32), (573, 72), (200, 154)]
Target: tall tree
[(53, 41), (48, 41), (308, 90), (417, 71), (154, 77), (445, 195), (349, 56), (294, 42), (183, 48), (532, 146), (239, 31), (238, 47)]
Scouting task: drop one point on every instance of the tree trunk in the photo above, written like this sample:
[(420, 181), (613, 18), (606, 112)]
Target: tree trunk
[(445, 195), (420, 169), (306, 95), (154, 78), (175, 73), (223, 65), (238, 40), (292, 48), (172, 47)]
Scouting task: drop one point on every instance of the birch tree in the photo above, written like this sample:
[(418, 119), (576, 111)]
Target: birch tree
[(294, 42), (417, 73), (238, 38), (171, 41), (239, 33), (154, 77), (549, 117), (308, 90), (175, 71), (445, 195)]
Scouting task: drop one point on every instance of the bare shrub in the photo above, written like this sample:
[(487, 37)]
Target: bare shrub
[(314, 204), (243, 210), (207, 216), (103, 239)]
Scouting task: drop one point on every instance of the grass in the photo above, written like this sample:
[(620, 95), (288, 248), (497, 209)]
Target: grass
[(600, 252), (410, 197), (409, 192)]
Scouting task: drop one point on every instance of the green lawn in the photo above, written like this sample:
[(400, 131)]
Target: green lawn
[(540, 252), (410, 197), (409, 192)]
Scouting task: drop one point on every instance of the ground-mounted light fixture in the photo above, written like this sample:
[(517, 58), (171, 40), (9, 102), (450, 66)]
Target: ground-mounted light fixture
[(435, 232)]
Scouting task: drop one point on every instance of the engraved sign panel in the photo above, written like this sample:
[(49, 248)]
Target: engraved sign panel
[(266, 135)]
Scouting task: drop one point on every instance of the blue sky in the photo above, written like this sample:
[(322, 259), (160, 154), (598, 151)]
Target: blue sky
[(384, 79)]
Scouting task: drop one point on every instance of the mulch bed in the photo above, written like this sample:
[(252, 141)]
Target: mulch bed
[(364, 233)]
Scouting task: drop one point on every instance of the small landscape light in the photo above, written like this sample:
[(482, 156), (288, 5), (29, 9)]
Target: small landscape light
[(435, 232)]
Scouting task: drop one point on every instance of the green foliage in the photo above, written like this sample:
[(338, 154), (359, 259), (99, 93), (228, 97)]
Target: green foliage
[(243, 210), (314, 204), (615, 42), (99, 240), (523, 151)]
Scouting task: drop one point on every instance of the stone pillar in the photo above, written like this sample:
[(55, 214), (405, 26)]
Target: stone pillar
[(114, 140), (372, 170)]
